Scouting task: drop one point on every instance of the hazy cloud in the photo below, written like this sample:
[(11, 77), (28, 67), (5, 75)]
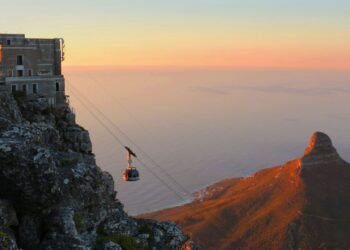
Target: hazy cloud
[(298, 91), (211, 90), (310, 91)]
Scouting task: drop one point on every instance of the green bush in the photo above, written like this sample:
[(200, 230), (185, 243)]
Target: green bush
[(125, 241), (4, 240), (68, 161), (145, 229), (100, 230), (19, 96), (79, 222)]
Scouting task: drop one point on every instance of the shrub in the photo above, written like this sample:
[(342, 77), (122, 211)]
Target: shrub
[(4, 241), (79, 222), (19, 96), (125, 241), (69, 161), (145, 229)]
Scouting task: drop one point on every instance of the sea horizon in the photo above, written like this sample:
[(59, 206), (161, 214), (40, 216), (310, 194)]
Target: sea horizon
[(257, 118)]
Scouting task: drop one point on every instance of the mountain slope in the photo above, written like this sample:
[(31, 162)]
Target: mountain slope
[(304, 203)]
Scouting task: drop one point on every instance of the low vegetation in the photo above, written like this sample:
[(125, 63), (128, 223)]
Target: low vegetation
[(4, 241), (69, 161), (145, 229), (125, 241), (19, 96), (79, 221)]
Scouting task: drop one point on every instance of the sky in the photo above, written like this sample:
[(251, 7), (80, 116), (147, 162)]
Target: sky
[(190, 33)]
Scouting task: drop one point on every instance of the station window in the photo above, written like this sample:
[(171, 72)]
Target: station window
[(14, 88), (57, 86), (9, 42), (29, 72), (51, 101), (0, 53), (19, 60), (35, 88), (24, 88), (20, 73), (9, 73)]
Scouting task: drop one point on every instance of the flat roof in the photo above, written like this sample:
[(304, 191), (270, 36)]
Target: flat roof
[(12, 35)]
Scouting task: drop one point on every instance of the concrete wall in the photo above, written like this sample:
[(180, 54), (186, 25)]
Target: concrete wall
[(41, 56), (40, 66), (52, 87)]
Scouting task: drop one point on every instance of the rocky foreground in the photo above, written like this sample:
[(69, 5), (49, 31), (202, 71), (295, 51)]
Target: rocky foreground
[(303, 204), (52, 194)]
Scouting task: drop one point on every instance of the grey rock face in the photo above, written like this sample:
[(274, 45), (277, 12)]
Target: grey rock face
[(8, 215), (110, 245), (61, 221), (29, 232), (9, 111), (78, 138), (53, 192), (54, 241)]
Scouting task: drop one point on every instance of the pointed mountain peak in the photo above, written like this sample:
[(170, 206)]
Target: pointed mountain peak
[(319, 143), (320, 150)]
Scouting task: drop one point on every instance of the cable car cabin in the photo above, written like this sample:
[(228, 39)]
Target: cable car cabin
[(130, 173)]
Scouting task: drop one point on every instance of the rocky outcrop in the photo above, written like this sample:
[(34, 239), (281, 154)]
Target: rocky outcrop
[(9, 111), (320, 151), (52, 193)]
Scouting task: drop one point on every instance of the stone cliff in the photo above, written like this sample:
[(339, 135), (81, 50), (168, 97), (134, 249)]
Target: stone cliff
[(52, 193)]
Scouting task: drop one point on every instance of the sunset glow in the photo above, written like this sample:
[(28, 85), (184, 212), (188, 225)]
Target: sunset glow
[(254, 34), (174, 124)]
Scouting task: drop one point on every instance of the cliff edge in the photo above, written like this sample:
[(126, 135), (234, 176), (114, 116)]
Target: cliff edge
[(52, 193)]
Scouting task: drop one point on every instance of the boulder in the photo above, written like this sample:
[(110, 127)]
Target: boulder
[(8, 215)]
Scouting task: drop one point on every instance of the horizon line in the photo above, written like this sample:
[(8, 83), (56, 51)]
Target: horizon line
[(201, 67)]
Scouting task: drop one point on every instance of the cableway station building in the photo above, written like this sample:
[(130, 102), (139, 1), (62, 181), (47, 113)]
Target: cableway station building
[(32, 66)]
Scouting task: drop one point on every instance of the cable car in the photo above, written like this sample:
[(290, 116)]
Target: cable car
[(130, 173)]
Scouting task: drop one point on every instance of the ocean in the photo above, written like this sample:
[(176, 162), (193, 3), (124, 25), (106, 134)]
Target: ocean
[(198, 126)]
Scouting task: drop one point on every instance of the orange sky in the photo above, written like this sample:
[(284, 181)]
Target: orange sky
[(257, 54), (192, 33)]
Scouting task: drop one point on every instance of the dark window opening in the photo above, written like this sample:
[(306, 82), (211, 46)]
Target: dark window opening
[(0, 53), (14, 88), (20, 73), (57, 86), (24, 88), (10, 73), (29, 72), (8, 42), (35, 89), (19, 60)]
